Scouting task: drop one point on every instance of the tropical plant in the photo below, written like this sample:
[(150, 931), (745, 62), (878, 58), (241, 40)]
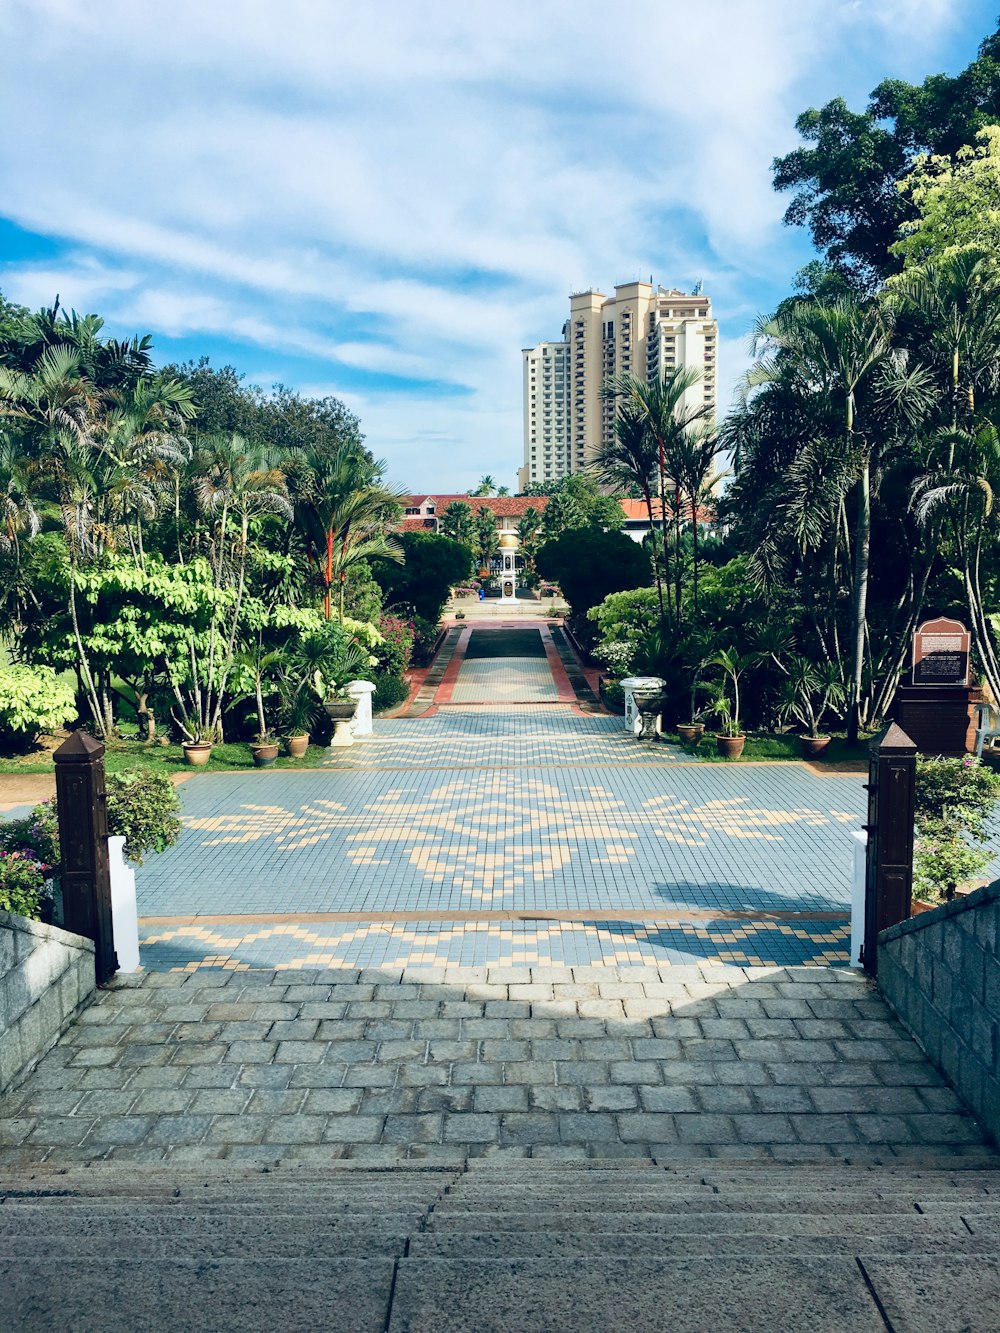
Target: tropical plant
[(724, 695), (810, 690), (954, 801), (33, 699), (144, 809)]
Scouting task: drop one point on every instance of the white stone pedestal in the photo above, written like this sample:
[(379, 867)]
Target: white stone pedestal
[(362, 691), (647, 684), (124, 917)]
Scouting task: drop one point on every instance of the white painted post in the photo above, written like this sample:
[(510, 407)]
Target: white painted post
[(362, 691), (859, 881), (124, 915)]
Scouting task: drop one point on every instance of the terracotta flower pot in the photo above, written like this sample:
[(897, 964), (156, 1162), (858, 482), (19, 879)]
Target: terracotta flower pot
[(197, 753), (297, 745), (813, 746), (690, 732), (730, 747), (264, 755)]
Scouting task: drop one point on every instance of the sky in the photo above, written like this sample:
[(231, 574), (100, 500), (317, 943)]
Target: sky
[(387, 201)]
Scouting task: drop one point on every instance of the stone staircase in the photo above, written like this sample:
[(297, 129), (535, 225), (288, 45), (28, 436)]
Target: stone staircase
[(506, 1245)]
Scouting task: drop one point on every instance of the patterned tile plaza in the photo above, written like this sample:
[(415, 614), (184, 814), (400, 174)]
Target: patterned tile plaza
[(518, 810)]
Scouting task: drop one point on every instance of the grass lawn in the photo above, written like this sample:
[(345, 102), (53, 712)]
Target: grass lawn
[(766, 746), (122, 756)]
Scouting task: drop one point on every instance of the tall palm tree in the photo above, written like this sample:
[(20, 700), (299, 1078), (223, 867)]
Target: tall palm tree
[(693, 463), (344, 510), (839, 350), (629, 462), (660, 403)]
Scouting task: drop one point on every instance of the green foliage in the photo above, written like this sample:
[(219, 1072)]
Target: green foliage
[(954, 800), (22, 882), (433, 565), (589, 565), (394, 652), (956, 202), (144, 809), (390, 692), (845, 176), (32, 700), (37, 834)]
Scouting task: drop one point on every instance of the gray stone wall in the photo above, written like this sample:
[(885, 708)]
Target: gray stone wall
[(46, 978), (940, 971)]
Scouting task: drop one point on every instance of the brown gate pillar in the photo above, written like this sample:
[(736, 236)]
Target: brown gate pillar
[(84, 874), (892, 772)]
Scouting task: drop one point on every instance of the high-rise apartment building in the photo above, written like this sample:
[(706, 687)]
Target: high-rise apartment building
[(642, 330)]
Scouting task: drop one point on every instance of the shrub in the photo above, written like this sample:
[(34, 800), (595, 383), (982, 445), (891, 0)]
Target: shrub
[(33, 699), (396, 648), (954, 799), (22, 883), (390, 692), (37, 834), (589, 565), (425, 634), (143, 808)]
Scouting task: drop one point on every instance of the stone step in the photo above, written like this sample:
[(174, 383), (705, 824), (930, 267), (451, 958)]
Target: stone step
[(127, 1222), (745, 1205), (666, 1223), (310, 1200), (548, 1244), (622, 1294), (735, 1195), (225, 1295), (273, 1241)]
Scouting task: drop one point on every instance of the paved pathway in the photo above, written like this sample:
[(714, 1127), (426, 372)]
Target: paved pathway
[(529, 833), (442, 1065)]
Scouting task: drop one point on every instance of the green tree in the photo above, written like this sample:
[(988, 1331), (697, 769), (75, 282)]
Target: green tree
[(589, 564), (956, 204), (845, 176), (458, 523), (432, 566)]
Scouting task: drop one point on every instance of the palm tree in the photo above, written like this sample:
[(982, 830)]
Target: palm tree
[(487, 542), (344, 510), (485, 488), (629, 463), (529, 529), (458, 523), (693, 464), (840, 350), (660, 404)]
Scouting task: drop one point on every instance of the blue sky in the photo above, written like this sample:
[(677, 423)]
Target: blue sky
[(387, 201)]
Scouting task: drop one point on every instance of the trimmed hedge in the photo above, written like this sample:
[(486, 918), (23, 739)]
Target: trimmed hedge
[(390, 692)]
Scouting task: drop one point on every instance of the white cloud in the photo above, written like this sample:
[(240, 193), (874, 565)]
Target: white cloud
[(413, 190)]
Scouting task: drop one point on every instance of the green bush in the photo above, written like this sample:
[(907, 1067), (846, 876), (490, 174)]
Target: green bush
[(143, 808), (36, 834), (22, 881), (390, 692), (954, 799), (33, 699)]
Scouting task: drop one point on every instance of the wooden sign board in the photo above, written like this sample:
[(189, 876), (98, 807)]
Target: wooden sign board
[(941, 653)]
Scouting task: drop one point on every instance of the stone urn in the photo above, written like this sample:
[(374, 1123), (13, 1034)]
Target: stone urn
[(341, 713)]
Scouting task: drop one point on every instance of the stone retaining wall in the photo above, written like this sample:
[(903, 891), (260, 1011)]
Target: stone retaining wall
[(46, 978), (940, 972)]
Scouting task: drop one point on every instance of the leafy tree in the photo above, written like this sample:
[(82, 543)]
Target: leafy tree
[(956, 204), (487, 486), (845, 176), (458, 523), (589, 564), (431, 567)]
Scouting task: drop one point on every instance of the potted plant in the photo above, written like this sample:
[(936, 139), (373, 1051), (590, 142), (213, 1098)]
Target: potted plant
[(725, 700), (196, 741), (809, 690), (297, 714), (260, 667)]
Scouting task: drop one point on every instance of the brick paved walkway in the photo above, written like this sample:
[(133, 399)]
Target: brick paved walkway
[(792, 1064), (521, 834)]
